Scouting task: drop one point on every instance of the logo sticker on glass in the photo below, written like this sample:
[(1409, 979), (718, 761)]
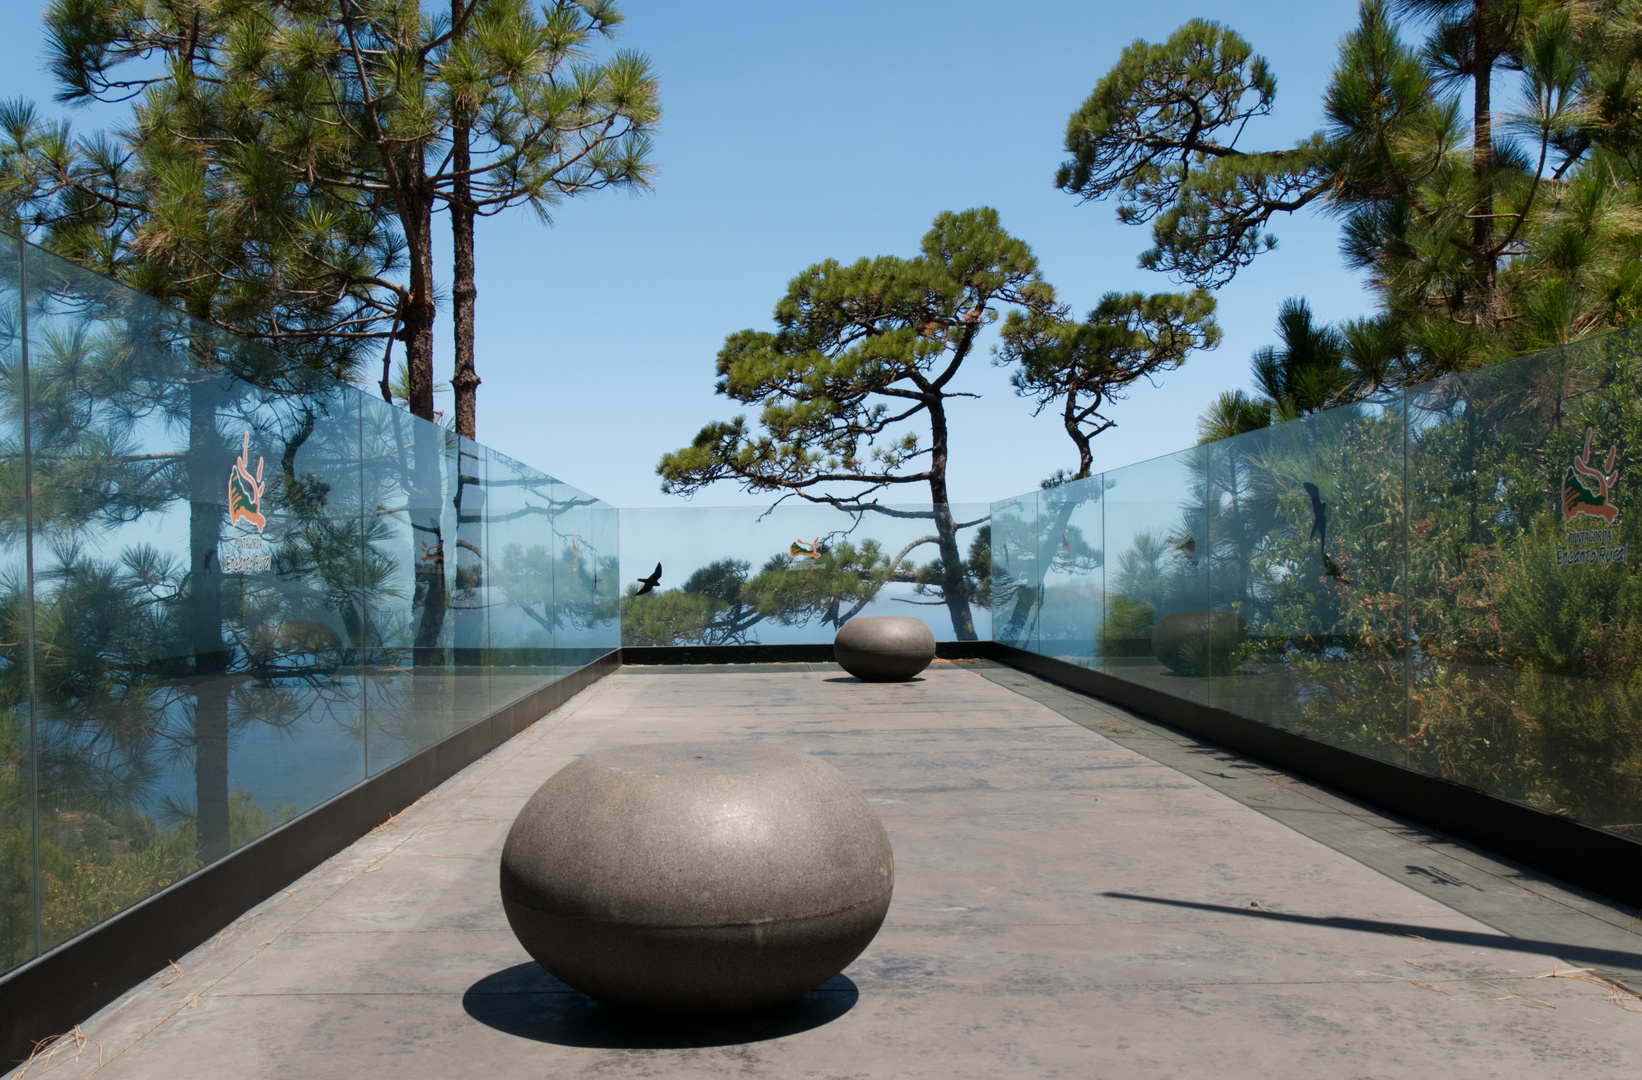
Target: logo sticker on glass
[(1588, 492), (245, 492)]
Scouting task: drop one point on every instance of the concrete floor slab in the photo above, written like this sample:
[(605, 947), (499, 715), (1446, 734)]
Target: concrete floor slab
[(1078, 893)]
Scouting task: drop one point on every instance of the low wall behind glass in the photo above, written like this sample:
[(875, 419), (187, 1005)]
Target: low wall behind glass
[(234, 588), (797, 572), (1449, 578)]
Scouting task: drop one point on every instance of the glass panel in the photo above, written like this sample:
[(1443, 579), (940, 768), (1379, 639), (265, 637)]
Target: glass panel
[(408, 680), (1071, 539), (587, 583), (292, 595), (252, 587), (1306, 565), (1016, 575), (193, 501), (1444, 578), (520, 557), (20, 928), (793, 574), (467, 622), (1523, 542), (1154, 625)]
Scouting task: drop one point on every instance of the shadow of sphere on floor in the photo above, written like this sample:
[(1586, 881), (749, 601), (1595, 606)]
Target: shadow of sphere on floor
[(863, 682), (524, 1000)]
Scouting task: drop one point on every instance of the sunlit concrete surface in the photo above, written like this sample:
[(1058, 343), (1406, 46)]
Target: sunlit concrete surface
[(1099, 898)]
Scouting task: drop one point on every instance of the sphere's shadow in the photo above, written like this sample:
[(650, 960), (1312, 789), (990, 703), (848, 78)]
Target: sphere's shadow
[(526, 1001), (853, 679)]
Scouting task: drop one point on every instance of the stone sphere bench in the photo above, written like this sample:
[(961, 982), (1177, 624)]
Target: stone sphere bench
[(884, 648), (696, 877)]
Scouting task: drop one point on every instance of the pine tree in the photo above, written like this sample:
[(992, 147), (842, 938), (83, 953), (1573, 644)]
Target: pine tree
[(1482, 233), (863, 353), (376, 108), (1086, 366)]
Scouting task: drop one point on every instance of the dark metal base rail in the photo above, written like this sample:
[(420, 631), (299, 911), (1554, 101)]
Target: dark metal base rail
[(68, 983), (643, 655)]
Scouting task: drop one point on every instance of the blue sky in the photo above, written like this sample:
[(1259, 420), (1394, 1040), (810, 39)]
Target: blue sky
[(796, 132)]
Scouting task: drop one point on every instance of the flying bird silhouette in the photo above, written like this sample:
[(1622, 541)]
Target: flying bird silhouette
[(650, 582), (1319, 519)]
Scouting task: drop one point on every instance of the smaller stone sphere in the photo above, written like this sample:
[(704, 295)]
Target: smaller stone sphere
[(884, 648), (696, 877)]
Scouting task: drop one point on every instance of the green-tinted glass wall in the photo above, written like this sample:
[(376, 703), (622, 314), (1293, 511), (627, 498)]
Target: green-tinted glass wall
[(1448, 578)]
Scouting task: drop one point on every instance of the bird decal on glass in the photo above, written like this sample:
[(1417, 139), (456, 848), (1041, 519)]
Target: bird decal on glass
[(1319, 532), (1319, 515), (649, 583)]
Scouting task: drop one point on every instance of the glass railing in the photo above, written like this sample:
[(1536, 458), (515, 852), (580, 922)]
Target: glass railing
[(234, 588), (795, 573), (1447, 578)]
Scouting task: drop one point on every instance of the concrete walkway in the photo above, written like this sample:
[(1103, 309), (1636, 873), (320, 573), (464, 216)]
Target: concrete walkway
[(1065, 906)]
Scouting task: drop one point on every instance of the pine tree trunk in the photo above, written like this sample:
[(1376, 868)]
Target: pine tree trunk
[(954, 589), (465, 383), (1482, 153), (416, 217), (464, 290), (1086, 457)]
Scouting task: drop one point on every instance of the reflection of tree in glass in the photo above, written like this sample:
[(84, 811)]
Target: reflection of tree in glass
[(1054, 545), (147, 658), (574, 590), (569, 582)]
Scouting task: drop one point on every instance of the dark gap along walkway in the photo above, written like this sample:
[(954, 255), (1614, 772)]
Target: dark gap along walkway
[(1100, 898)]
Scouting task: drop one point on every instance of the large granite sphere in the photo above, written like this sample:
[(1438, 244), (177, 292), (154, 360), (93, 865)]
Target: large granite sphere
[(884, 648), (1200, 642), (696, 877)]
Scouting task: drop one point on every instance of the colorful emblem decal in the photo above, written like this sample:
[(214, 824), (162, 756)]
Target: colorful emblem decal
[(245, 490), (1588, 491), (800, 550)]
